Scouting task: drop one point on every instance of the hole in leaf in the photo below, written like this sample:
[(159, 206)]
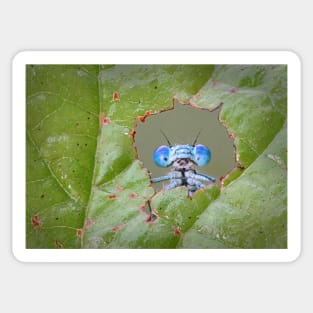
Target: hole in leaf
[(181, 125)]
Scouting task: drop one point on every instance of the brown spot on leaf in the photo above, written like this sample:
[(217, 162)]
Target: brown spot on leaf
[(132, 133), (37, 223), (177, 231), (106, 121), (152, 217), (89, 223), (103, 120), (115, 96), (112, 197), (232, 90), (80, 233), (133, 195), (118, 227), (59, 244), (222, 178), (143, 118), (149, 219), (143, 208), (119, 188)]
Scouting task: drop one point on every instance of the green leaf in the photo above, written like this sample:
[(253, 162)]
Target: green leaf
[(252, 211), (86, 187), (62, 127), (256, 220)]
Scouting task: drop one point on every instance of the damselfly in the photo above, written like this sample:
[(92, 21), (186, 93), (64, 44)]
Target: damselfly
[(183, 158)]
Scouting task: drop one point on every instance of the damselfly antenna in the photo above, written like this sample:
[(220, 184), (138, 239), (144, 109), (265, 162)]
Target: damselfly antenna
[(194, 143), (169, 144)]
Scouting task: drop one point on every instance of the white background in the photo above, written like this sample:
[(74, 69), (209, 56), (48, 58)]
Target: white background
[(159, 25)]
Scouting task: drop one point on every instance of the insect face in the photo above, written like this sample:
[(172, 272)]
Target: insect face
[(182, 158), (165, 156)]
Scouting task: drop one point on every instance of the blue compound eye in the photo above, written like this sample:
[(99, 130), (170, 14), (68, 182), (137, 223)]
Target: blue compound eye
[(202, 155), (161, 156)]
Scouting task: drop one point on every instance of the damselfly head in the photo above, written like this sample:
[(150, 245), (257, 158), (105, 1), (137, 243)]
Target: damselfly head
[(165, 156)]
